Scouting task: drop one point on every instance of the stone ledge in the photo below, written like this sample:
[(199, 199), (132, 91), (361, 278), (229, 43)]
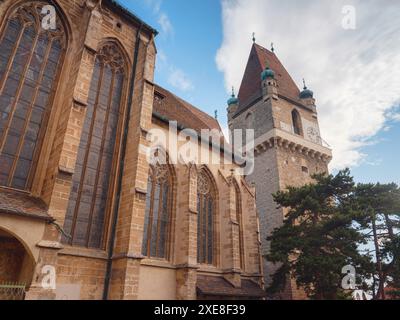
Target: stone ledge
[(50, 245), (84, 253), (157, 263)]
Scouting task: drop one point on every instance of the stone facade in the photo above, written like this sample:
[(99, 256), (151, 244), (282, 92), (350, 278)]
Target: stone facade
[(118, 269)]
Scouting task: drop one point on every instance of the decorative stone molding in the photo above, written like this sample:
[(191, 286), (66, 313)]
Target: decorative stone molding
[(203, 183), (277, 138)]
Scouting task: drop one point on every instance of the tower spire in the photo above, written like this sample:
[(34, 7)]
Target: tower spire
[(304, 83)]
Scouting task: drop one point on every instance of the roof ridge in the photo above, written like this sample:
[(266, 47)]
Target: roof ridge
[(193, 109)]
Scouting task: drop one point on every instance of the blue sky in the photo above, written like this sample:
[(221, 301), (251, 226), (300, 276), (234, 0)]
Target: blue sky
[(203, 47)]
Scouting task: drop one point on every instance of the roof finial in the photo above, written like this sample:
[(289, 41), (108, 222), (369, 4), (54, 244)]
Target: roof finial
[(233, 91), (254, 37), (272, 47), (304, 82), (216, 114)]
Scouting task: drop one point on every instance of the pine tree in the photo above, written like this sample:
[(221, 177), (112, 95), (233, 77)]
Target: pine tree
[(380, 223), (318, 238)]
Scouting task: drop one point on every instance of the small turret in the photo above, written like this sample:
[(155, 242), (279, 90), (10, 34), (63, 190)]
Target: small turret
[(233, 104), (307, 97), (268, 83)]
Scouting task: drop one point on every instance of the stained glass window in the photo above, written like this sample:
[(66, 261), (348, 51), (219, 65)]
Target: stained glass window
[(206, 219), (158, 213), (30, 62), (90, 196), (239, 219)]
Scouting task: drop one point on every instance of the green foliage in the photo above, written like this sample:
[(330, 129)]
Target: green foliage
[(380, 223), (326, 226), (317, 239)]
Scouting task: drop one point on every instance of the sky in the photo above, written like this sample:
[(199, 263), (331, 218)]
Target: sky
[(347, 50)]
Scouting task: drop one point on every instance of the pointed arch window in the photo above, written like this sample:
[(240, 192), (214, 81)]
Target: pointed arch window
[(91, 194), (239, 220), (158, 214), (297, 125), (31, 59), (206, 205)]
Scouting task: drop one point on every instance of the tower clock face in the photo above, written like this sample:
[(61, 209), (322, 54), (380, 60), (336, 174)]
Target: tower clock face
[(312, 134)]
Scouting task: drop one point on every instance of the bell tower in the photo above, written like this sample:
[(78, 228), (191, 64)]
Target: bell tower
[(288, 144)]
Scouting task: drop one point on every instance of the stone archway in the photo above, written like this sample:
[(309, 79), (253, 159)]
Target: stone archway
[(16, 267)]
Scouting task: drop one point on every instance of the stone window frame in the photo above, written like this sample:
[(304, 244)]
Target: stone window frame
[(120, 63), (166, 175), (240, 222), (297, 122), (213, 190)]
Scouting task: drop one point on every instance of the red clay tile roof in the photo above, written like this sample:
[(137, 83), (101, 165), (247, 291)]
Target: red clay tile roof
[(250, 89), (176, 109), (217, 286), (18, 203)]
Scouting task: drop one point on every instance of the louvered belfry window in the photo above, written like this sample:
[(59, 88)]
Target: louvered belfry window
[(206, 203), (157, 225), (90, 198), (30, 63)]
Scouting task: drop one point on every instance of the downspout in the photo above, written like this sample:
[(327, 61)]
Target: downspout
[(121, 167)]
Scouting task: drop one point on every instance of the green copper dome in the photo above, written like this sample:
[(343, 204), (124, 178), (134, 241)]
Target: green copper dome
[(267, 73), (306, 94), (233, 100)]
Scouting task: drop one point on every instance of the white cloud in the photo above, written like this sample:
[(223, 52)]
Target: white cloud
[(162, 18), (355, 74), (154, 4), (165, 24), (179, 80)]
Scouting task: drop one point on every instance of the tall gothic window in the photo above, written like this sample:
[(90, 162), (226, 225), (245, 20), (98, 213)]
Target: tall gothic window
[(90, 198), (158, 213), (297, 125), (206, 205), (239, 219), (30, 62)]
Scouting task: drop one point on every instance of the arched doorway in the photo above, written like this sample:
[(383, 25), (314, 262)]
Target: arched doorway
[(16, 267)]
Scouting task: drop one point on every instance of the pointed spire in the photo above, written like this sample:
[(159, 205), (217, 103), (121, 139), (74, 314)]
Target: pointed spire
[(254, 37), (304, 83)]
